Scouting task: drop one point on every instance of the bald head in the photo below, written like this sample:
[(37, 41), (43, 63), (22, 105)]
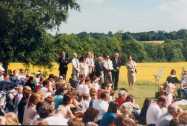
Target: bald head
[(172, 109)]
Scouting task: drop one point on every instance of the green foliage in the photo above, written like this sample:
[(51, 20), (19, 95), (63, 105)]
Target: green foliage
[(173, 51), (82, 43), (135, 49), (23, 25)]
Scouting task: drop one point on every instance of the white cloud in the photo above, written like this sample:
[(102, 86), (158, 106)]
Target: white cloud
[(176, 9)]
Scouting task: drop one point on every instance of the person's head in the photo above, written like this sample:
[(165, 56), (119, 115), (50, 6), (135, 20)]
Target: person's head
[(5, 76), (60, 86), (2, 120), (89, 54), (15, 72), (62, 53), (130, 58), (45, 83), (112, 107), (122, 94), (20, 89), (107, 57), (116, 55), (66, 100), (75, 122), (34, 99), (162, 101), (100, 59), (103, 96), (49, 99), (11, 119), (90, 115), (44, 109), (75, 55), (81, 78), (128, 122), (185, 72), (21, 71), (82, 59), (87, 80), (146, 103), (93, 93), (26, 91), (130, 98), (173, 72), (173, 110), (30, 79)]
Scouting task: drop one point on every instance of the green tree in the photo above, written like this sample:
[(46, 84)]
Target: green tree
[(173, 51), (23, 28), (135, 49)]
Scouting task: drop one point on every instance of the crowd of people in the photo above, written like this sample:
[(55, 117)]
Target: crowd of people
[(90, 98)]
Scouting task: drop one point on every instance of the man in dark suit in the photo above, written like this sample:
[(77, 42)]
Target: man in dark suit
[(63, 64), (115, 73)]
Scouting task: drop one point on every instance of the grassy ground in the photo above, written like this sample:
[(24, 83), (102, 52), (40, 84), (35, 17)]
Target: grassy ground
[(141, 90)]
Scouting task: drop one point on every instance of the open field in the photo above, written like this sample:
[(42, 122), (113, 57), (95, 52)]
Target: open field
[(146, 71)]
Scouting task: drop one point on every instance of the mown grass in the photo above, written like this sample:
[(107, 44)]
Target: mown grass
[(141, 90)]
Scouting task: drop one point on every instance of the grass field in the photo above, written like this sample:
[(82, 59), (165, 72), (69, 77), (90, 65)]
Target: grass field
[(141, 91), (145, 86)]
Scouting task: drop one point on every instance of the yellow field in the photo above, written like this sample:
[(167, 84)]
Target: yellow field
[(146, 71)]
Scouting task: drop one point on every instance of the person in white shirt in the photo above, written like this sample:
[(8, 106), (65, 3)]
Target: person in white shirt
[(154, 111), (76, 69), (21, 75), (46, 113), (108, 67), (56, 119), (90, 62), (95, 83), (83, 67), (131, 71), (83, 88), (166, 118), (101, 105), (30, 109)]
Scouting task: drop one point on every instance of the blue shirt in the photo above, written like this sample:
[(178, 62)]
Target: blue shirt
[(108, 118), (58, 100)]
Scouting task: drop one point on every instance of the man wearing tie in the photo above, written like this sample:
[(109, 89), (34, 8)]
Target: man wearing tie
[(63, 64), (115, 73)]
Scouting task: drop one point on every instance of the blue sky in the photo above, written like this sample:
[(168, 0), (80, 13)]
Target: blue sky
[(127, 15)]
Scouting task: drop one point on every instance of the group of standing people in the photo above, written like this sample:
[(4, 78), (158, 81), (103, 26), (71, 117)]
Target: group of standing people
[(105, 67)]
